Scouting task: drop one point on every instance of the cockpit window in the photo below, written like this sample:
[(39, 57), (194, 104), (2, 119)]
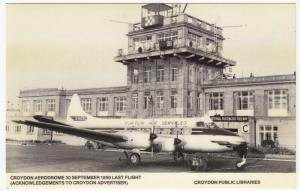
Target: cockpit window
[(200, 124), (212, 125)]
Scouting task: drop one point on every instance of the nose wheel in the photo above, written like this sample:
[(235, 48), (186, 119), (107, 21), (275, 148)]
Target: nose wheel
[(134, 159), (178, 156), (240, 164), (198, 163), (242, 152)]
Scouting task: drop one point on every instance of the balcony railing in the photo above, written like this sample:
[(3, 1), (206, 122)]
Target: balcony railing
[(169, 44), (249, 80), (181, 18)]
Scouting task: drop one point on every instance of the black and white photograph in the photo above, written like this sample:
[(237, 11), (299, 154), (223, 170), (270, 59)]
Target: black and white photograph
[(177, 89)]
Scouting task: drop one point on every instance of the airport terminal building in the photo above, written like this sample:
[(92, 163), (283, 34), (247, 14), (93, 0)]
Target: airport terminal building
[(175, 68)]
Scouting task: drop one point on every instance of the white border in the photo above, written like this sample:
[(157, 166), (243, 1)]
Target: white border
[(3, 69)]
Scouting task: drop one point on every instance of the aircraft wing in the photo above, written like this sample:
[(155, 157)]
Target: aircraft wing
[(84, 133)]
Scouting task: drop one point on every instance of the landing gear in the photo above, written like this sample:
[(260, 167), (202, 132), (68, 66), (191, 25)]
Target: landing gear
[(178, 156), (240, 164), (242, 152), (198, 163), (133, 158)]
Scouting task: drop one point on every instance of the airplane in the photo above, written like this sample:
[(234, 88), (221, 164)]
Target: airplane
[(195, 137)]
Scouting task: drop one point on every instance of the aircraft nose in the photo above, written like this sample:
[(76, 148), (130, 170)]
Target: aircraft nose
[(241, 141)]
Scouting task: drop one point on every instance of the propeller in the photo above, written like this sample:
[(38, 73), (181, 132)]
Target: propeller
[(177, 144)]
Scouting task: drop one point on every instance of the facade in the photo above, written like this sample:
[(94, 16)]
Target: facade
[(17, 132), (175, 68)]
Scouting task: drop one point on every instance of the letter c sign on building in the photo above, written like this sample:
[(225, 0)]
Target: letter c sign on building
[(245, 128)]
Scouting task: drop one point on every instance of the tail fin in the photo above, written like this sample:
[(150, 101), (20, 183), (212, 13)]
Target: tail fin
[(75, 111)]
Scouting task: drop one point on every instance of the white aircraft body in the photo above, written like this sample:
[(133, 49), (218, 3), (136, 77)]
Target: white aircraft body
[(135, 136)]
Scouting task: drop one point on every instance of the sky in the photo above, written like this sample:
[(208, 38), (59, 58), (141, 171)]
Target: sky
[(72, 46)]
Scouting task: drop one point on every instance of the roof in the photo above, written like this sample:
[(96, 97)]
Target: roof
[(274, 79), (157, 7)]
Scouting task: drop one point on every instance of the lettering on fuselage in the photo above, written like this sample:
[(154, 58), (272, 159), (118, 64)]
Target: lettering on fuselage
[(155, 123), (79, 118)]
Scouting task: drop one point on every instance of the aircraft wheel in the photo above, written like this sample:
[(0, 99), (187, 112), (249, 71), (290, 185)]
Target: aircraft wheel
[(198, 164), (134, 159), (178, 157), (202, 164), (240, 165)]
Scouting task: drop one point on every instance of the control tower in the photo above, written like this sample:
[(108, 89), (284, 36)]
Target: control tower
[(170, 55)]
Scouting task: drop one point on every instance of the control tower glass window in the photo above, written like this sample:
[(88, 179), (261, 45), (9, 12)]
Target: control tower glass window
[(196, 41), (168, 36), (210, 45)]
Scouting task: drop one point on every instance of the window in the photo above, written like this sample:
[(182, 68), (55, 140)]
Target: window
[(277, 99), (121, 104), (199, 101), (160, 74), (7, 127), (26, 106), (86, 104), (190, 100), (173, 73), (50, 105), (46, 132), (168, 36), (173, 99), (147, 100), (30, 129), (195, 39), (135, 104), (147, 75), (135, 76), (210, 45), (37, 106), (199, 76), (268, 132), (68, 101), (102, 104), (216, 101), (18, 129), (190, 74), (160, 100), (209, 74), (244, 100)]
